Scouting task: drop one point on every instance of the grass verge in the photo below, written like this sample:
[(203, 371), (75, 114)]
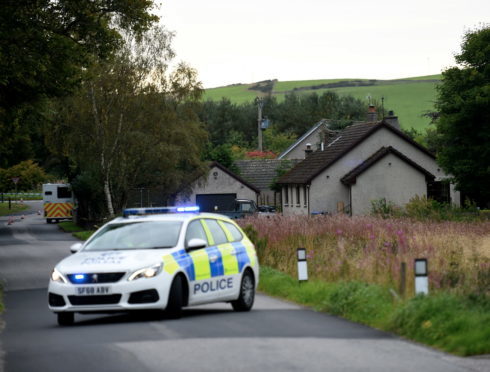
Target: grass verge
[(77, 231), (454, 323), (16, 207)]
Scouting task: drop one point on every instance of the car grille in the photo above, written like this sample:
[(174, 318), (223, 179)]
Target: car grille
[(144, 297), (95, 300), (56, 300), (92, 278)]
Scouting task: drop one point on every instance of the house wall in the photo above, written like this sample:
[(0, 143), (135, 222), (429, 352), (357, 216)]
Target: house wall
[(327, 193), (299, 151), (217, 182), (390, 178)]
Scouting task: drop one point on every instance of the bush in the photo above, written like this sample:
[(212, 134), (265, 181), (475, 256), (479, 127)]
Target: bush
[(30, 174), (423, 209), (384, 209)]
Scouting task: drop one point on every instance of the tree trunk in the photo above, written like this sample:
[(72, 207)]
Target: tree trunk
[(108, 197)]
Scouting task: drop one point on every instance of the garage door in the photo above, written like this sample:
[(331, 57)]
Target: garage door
[(207, 202)]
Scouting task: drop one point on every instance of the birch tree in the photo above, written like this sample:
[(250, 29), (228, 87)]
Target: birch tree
[(133, 121)]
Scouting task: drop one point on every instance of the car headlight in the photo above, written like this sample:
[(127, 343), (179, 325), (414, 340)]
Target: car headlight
[(56, 276), (146, 272)]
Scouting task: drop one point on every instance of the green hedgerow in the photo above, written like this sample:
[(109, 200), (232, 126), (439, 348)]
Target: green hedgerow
[(448, 321)]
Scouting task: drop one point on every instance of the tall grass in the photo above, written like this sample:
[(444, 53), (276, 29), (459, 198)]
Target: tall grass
[(371, 250)]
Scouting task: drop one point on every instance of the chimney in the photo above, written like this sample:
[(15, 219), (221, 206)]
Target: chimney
[(308, 150), (372, 115), (392, 120)]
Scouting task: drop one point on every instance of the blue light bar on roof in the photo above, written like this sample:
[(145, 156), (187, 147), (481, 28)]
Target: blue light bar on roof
[(194, 208), (158, 210)]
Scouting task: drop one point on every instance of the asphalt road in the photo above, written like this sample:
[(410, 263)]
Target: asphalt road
[(274, 336)]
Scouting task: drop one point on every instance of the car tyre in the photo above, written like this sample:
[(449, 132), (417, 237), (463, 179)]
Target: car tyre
[(66, 319), (247, 293), (175, 299)]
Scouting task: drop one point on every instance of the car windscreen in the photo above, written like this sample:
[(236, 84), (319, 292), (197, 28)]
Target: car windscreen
[(136, 235)]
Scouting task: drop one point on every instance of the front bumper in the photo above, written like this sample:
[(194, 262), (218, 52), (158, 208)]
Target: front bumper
[(123, 295)]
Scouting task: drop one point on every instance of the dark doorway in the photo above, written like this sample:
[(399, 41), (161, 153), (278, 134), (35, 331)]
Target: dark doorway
[(439, 191)]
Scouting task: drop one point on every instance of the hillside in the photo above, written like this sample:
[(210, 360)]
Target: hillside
[(409, 98)]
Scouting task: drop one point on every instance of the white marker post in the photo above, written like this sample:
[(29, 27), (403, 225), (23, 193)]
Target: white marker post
[(302, 265), (421, 276)]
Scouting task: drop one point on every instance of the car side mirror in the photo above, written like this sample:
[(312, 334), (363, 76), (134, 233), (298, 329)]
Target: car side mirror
[(195, 243), (76, 247)]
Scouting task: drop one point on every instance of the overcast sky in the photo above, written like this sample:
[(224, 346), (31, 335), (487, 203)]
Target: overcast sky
[(246, 41)]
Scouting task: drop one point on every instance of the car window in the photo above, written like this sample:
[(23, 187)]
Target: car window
[(219, 235), (247, 207), (136, 235), (64, 193), (195, 231), (235, 233)]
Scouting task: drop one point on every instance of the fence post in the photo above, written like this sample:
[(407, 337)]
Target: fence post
[(302, 265), (421, 276), (403, 278)]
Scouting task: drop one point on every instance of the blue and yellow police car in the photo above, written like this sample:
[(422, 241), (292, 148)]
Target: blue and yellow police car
[(156, 258)]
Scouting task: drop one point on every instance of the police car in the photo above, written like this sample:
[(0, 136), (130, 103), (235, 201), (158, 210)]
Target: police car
[(156, 258)]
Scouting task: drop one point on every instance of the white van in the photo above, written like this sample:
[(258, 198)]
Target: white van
[(58, 202)]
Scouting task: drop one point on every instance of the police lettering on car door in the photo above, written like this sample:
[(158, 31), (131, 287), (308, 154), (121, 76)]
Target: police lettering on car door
[(214, 285)]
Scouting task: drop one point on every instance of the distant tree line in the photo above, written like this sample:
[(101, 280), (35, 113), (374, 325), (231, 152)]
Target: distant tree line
[(236, 124)]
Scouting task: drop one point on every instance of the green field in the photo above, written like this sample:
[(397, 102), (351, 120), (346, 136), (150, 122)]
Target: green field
[(409, 98)]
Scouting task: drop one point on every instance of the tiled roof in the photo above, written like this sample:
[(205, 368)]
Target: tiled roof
[(200, 174), (350, 137), (351, 177), (234, 175), (262, 172)]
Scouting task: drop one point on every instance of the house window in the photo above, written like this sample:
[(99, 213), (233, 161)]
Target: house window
[(286, 196), (439, 191), (298, 201), (305, 196)]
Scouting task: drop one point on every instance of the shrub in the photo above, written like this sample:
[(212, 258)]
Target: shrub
[(30, 174), (384, 209)]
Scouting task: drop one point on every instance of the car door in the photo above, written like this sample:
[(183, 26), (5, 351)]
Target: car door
[(209, 282), (223, 249)]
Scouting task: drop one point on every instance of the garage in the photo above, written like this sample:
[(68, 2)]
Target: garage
[(217, 187), (216, 202)]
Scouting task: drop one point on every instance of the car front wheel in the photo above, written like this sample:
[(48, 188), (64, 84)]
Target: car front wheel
[(175, 299), (247, 293)]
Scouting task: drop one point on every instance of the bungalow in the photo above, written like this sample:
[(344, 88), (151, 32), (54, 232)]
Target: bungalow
[(217, 190), (364, 162)]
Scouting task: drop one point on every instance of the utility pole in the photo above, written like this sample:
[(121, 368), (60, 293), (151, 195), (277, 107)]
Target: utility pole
[(260, 103)]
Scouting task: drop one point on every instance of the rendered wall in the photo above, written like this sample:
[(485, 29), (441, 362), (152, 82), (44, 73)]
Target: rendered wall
[(299, 151), (390, 178)]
